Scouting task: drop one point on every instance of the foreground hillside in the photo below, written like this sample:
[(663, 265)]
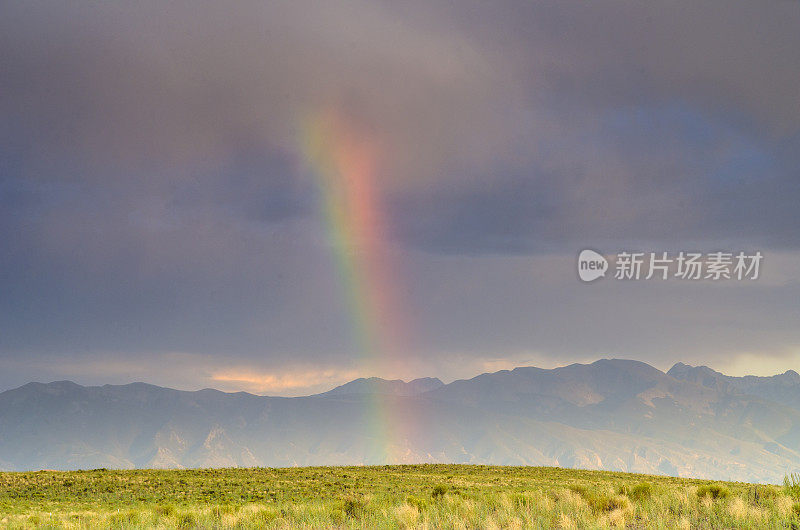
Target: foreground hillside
[(614, 415), (426, 496)]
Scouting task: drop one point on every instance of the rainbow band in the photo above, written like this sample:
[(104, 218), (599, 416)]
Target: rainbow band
[(344, 162)]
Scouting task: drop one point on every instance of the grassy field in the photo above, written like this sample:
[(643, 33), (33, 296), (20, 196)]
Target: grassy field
[(426, 496)]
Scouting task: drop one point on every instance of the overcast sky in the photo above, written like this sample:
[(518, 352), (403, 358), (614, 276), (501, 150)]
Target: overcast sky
[(160, 222)]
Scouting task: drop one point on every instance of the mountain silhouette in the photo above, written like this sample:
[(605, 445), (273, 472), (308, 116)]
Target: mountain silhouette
[(611, 414)]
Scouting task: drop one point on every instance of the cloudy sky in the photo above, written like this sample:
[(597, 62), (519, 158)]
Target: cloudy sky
[(163, 220)]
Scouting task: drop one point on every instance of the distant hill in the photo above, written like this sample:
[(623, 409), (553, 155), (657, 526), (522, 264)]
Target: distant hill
[(612, 414), (376, 385), (782, 388)]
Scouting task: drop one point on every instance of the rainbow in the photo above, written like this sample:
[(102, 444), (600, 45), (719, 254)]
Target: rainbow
[(344, 159)]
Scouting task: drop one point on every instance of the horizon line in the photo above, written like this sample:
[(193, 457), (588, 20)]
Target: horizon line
[(374, 377)]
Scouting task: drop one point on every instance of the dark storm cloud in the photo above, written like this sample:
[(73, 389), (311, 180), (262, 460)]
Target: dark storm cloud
[(154, 198), (654, 176), (634, 108)]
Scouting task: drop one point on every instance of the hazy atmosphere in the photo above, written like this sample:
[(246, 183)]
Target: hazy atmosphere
[(279, 197)]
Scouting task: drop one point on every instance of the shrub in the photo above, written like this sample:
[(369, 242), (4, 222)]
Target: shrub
[(265, 516), (407, 515), (439, 490), (353, 507), (600, 503), (791, 483), (186, 521), (580, 489), (641, 491), (130, 517), (165, 510), (220, 510), (337, 515), (762, 493), (714, 491), (416, 502), (522, 499)]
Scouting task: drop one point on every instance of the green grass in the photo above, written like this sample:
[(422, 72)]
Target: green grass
[(791, 484), (424, 496), (714, 491)]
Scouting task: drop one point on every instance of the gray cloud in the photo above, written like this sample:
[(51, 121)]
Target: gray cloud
[(154, 197)]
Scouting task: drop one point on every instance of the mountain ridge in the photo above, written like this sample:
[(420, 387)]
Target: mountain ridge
[(612, 414), (676, 371)]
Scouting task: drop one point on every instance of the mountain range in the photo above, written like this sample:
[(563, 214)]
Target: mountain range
[(612, 414)]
